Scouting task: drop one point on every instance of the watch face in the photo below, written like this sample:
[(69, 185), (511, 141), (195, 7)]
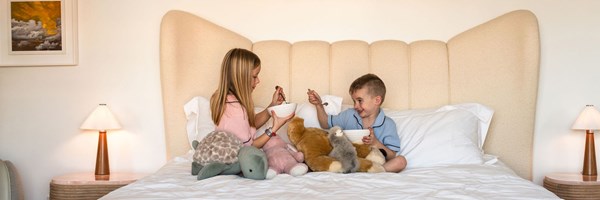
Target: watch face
[(270, 132)]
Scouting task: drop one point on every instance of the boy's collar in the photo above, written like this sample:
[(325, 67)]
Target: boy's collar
[(378, 120)]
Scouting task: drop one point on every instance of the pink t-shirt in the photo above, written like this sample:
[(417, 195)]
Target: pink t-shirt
[(235, 120)]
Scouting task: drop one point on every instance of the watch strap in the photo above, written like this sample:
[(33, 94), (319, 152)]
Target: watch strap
[(269, 132)]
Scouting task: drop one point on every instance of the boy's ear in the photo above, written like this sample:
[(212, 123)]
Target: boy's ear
[(378, 100)]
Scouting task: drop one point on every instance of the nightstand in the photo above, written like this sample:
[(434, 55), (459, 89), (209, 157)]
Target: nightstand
[(85, 186), (572, 186)]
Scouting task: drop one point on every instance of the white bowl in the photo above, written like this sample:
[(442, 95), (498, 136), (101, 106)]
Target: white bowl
[(356, 135), (283, 110)]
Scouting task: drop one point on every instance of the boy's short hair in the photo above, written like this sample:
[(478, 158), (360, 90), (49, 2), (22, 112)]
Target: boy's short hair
[(374, 84)]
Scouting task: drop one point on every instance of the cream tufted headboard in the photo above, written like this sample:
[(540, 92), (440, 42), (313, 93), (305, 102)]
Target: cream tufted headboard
[(495, 63)]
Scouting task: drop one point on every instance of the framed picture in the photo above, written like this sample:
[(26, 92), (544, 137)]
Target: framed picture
[(38, 32)]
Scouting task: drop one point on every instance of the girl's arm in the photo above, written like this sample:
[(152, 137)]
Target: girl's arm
[(260, 141), (262, 117), (278, 122)]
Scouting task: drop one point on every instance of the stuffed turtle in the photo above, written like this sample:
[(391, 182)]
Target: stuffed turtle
[(222, 153)]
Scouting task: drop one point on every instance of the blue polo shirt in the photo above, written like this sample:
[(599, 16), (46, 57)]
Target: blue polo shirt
[(384, 127)]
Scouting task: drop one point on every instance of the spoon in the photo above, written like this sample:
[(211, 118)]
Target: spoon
[(284, 101)]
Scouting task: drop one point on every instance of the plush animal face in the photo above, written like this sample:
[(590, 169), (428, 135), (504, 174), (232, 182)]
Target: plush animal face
[(296, 130), (253, 162)]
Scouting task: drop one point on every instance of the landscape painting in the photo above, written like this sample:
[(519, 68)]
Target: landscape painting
[(36, 26)]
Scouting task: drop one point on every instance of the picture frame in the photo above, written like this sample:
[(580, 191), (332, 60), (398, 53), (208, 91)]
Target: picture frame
[(38, 33)]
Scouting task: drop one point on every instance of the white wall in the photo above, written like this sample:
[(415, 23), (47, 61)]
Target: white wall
[(41, 108)]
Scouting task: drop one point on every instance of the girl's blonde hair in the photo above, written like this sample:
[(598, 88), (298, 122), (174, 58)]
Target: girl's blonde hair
[(236, 79)]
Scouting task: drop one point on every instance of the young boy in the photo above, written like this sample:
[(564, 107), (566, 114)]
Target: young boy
[(368, 93)]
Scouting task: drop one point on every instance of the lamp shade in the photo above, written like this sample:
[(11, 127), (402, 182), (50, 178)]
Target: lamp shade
[(589, 119), (101, 119)]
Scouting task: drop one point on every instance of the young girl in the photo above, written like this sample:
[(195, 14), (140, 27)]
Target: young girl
[(232, 106)]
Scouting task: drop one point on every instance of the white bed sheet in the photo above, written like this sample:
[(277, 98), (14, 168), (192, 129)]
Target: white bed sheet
[(486, 181)]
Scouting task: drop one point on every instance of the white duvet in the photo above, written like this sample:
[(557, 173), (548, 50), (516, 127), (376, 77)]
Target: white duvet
[(486, 181)]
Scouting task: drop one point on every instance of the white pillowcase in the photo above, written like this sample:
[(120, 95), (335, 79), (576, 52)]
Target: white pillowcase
[(452, 134), (308, 111), (199, 120)]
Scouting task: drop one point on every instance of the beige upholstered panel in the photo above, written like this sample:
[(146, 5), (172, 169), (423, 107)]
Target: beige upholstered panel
[(429, 74), (310, 69), (349, 60), (275, 70), (390, 61), (495, 64)]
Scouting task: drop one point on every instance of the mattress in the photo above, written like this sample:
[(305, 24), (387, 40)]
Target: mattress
[(491, 180)]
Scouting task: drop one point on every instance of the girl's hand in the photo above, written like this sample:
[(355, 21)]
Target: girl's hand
[(278, 122), (278, 96), (314, 98)]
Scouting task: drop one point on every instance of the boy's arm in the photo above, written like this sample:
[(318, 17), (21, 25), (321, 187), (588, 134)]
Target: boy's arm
[(322, 116), (315, 99), (377, 144)]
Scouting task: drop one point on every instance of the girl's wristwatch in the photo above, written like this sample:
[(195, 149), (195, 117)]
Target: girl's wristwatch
[(269, 132)]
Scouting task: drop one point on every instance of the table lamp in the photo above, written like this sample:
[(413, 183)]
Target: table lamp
[(588, 120), (101, 119)]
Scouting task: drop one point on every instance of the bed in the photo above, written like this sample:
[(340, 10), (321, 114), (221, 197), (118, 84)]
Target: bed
[(490, 70)]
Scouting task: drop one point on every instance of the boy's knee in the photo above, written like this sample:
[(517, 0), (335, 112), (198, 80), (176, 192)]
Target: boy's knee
[(396, 164), (402, 160)]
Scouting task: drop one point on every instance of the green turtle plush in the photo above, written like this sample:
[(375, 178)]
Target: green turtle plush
[(222, 153)]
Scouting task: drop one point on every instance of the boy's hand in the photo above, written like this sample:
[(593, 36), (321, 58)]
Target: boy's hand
[(372, 140), (314, 98)]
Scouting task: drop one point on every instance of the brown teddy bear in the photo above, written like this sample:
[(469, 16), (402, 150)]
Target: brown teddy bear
[(315, 145)]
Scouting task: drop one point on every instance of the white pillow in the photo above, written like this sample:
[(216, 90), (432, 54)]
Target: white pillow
[(199, 120), (308, 112), (450, 134)]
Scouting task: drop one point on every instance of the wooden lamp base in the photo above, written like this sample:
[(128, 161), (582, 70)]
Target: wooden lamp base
[(102, 168), (589, 160)]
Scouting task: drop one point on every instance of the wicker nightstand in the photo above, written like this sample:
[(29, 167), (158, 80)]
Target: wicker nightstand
[(572, 186), (85, 186)]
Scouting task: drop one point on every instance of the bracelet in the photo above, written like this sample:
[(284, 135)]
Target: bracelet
[(269, 132)]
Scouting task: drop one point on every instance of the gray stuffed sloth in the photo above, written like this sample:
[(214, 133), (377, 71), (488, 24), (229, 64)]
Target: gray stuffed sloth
[(222, 153), (343, 150)]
